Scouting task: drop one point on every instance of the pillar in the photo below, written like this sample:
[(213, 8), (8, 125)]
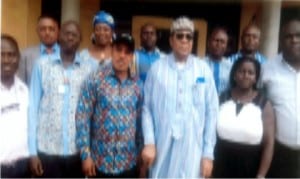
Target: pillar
[(271, 11), (70, 10)]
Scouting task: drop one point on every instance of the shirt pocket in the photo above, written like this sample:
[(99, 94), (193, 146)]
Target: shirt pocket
[(197, 94)]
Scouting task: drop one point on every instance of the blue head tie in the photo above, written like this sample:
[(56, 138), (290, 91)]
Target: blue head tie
[(104, 17)]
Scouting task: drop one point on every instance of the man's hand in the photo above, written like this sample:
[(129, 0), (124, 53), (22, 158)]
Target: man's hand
[(36, 166), (88, 167), (148, 155), (206, 167)]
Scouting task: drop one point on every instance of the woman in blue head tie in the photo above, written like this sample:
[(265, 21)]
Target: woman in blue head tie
[(100, 49)]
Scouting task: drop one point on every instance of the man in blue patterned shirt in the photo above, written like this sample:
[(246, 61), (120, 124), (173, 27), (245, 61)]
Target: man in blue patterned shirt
[(108, 116), (54, 89)]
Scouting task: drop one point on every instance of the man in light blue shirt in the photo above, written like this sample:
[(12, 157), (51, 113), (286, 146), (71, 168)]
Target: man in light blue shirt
[(54, 91), (250, 41), (180, 111), (148, 53), (219, 65), (47, 30)]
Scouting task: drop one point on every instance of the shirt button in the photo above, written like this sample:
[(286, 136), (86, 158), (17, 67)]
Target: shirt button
[(179, 105)]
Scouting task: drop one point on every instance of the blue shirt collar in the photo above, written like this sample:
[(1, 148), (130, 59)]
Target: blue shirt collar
[(156, 50), (55, 49)]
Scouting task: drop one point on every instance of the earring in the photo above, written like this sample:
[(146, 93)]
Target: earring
[(93, 38)]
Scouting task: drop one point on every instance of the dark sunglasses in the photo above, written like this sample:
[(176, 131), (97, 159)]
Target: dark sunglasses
[(180, 36)]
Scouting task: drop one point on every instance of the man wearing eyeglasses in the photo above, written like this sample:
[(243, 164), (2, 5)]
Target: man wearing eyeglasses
[(180, 111)]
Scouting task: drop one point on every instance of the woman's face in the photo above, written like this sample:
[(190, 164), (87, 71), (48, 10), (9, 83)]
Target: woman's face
[(103, 34), (245, 76)]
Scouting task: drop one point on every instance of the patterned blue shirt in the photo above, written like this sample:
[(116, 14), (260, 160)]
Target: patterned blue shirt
[(108, 121), (53, 98), (145, 59), (258, 56), (221, 72)]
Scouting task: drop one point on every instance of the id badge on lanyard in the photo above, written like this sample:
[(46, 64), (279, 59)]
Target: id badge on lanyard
[(62, 88)]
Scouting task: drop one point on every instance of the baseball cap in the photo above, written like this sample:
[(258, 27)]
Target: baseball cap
[(124, 38)]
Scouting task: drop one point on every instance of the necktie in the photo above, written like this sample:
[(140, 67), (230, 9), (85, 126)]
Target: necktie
[(216, 75)]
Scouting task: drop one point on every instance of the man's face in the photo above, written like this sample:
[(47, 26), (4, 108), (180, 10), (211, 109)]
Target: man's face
[(121, 57), (9, 59), (251, 39), (103, 34), (70, 38), (47, 30), (148, 37), (182, 43), (217, 44), (291, 40)]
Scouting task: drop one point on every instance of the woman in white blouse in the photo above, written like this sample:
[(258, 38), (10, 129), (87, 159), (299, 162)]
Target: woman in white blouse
[(245, 128)]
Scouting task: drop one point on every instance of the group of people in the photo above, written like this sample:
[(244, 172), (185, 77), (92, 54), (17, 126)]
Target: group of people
[(116, 111)]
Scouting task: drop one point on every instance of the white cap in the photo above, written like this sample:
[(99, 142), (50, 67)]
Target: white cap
[(182, 23)]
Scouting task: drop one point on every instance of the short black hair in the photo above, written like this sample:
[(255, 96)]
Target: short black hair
[(217, 29), (292, 15), (146, 25), (76, 24), (250, 25), (237, 65), (287, 19), (12, 41), (49, 16)]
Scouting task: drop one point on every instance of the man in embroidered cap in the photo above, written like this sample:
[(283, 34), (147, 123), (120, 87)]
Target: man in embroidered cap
[(180, 111), (108, 115), (100, 49)]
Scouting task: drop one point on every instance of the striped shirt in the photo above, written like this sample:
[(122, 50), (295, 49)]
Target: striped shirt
[(179, 116)]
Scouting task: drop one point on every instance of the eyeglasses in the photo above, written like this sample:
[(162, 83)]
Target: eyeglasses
[(180, 36)]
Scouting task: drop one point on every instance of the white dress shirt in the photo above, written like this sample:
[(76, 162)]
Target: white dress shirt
[(282, 83), (13, 122)]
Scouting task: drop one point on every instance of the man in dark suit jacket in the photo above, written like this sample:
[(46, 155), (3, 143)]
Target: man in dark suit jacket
[(47, 30)]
